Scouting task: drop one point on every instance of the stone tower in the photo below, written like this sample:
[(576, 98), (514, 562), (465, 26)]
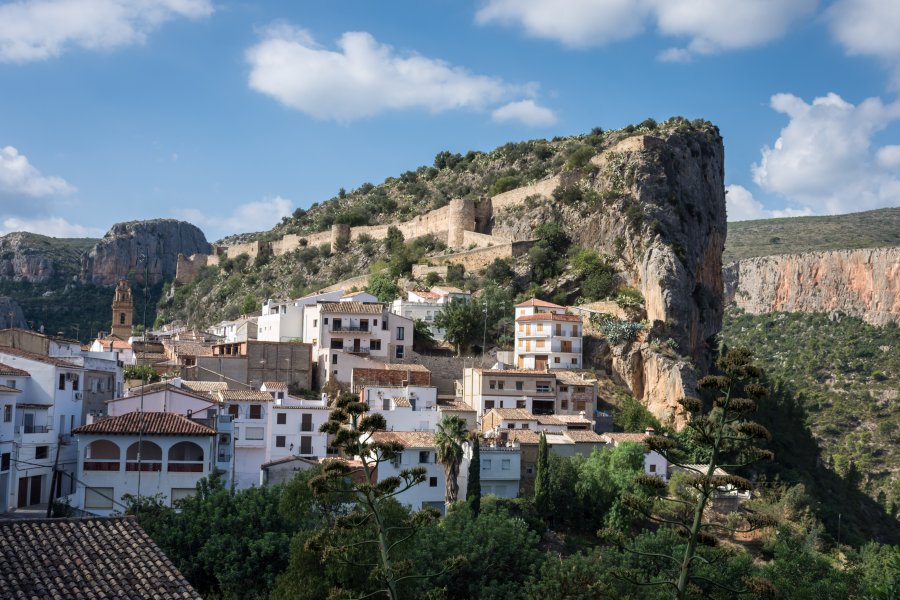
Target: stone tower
[(461, 218), (122, 310), (340, 235)]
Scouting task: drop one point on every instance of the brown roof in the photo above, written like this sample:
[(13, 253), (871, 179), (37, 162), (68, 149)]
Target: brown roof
[(432, 295), (537, 302), (9, 390), (584, 435), (10, 371), (151, 423), (549, 420), (625, 437), (517, 414), (524, 436), (190, 348), (573, 419), (549, 317), (85, 558), (287, 459), (154, 356), (454, 406), (410, 439), (116, 342), (50, 360), (569, 377), (244, 396), (531, 372), (368, 308), (447, 289), (275, 385), (410, 367), (205, 386)]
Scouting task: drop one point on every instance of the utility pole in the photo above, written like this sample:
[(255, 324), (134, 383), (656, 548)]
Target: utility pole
[(54, 475), (484, 336)]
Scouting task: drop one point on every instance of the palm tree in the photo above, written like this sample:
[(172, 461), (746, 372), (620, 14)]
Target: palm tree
[(448, 441)]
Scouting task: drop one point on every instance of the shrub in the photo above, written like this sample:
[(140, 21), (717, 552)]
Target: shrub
[(504, 184)]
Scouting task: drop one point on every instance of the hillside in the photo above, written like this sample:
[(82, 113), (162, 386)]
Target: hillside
[(766, 237), (25, 255)]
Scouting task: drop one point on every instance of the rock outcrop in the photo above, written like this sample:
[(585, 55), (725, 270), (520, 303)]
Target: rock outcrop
[(654, 204), (119, 253), (11, 314), (20, 260), (862, 283)]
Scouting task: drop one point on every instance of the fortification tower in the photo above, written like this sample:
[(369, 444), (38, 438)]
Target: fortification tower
[(461, 218), (340, 235), (122, 310)]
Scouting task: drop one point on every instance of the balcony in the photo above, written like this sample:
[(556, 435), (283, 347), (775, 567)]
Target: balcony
[(34, 429), (350, 329), (360, 350)]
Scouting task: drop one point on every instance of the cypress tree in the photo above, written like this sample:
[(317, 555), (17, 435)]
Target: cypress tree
[(542, 479), (473, 488)]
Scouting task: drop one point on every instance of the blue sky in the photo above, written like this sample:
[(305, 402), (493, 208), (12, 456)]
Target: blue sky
[(232, 114)]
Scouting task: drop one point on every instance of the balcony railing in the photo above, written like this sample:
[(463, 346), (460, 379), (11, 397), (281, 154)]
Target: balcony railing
[(185, 466), (350, 329), (360, 350), (102, 465), (143, 466), (35, 429)]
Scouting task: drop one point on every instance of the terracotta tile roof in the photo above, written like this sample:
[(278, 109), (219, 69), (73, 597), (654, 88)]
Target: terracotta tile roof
[(617, 438), (410, 367), (444, 290), (569, 377), (516, 414), (244, 396), (410, 439), (208, 387), (287, 459), (85, 558), (151, 356), (527, 372), (524, 436), (11, 371), (537, 302), (116, 344), (367, 308), (9, 390), (573, 419), (275, 385), (549, 420), (151, 423), (584, 435), (50, 360), (190, 348), (431, 295), (549, 317), (454, 406)]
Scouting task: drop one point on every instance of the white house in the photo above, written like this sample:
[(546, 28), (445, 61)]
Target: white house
[(361, 329), (547, 337), (500, 472), (418, 451), (283, 321), (427, 305), (8, 397), (405, 408), (48, 408), (249, 410), (293, 426), (654, 462), (142, 454)]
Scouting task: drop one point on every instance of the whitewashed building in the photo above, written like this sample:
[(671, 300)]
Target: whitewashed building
[(500, 470), (427, 305), (283, 321), (405, 408), (547, 337), (418, 451)]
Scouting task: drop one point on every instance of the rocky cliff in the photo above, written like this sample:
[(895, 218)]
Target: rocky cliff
[(862, 283), (39, 259), (120, 251), (11, 314), (654, 204)]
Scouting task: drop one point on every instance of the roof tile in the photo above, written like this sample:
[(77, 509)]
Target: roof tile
[(150, 423), (352, 307), (410, 439), (11, 371)]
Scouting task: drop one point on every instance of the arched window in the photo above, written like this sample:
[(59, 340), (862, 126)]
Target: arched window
[(121, 318), (186, 457), (102, 455), (150, 457)]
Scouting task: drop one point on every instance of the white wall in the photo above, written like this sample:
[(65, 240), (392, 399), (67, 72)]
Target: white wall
[(424, 492), (404, 418)]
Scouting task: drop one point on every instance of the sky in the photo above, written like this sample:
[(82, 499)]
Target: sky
[(231, 114)]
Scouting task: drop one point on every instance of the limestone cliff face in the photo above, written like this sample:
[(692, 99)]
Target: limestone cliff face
[(20, 260), (658, 210), (160, 240), (862, 283)]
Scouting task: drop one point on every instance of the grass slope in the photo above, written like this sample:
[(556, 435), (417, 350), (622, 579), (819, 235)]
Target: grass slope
[(870, 229)]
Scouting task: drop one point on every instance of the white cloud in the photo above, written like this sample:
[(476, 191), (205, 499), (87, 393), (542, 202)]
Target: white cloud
[(18, 177), (823, 158), (52, 226), (33, 30), (742, 206), (889, 157), (363, 77), (710, 25), (259, 215), (524, 111), (868, 28)]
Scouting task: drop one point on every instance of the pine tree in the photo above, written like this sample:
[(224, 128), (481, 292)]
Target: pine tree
[(473, 488)]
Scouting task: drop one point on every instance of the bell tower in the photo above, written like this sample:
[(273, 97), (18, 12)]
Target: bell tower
[(122, 310)]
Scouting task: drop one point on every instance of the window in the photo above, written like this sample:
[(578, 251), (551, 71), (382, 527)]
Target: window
[(374, 344), (505, 464), (539, 344), (564, 404), (255, 411), (315, 322), (556, 359), (95, 497), (653, 468), (432, 482), (543, 387), (579, 389), (529, 470), (334, 359), (337, 344), (540, 327), (492, 384), (306, 444), (62, 381), (563, 388), (336, 324), (499, 385), (233, 410), (279, 441), (7, 413), (41, 451), (399, 352), (519, 386), (558, 329), (488, 404), (181, 494), (401, 333), (520, 403), (510, 425), (423, 457), (374, 322), (75, 383), (579, 405), (325, 321), (11, 383), (121, 318), (574, 361), (255, 433), (485, 464), (306, 422), (281, 418), (4, 461)]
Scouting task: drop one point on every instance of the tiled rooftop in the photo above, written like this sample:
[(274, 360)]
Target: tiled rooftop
[(275, 386), (540, 303), (11, 371), (625, 437), (205, 386), (524, 436), (573, 419), (352, 308), (9, 390), (407, 367), (410, 439), (569, 377), (549, 317), (454, 405), (514, 414), (150, 423), (75, 559), (50, 360), (584, 435), (244, 396)]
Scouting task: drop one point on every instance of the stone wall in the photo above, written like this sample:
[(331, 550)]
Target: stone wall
[(354, 282), (479, 240), (187, 267), (475, 260), (419, 271), (543, 188)]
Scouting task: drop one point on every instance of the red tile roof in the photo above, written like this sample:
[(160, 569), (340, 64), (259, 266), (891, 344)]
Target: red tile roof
[(149, 423), (85, 558), (275, 385), (352, 308), (9, 390), (244, 396), (549, 317), (410, 439), (584, 435), (50, 360), (10, 371), (618, 438), (537, 302)]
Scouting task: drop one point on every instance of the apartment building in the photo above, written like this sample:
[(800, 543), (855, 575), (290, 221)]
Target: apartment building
[(283, 321), (419, 451), (546, 337), (427, 305)]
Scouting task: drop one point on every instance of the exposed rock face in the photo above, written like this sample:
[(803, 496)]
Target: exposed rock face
[(11, 314), (659, 213), (862, 283), (22, 260), (160, 240)]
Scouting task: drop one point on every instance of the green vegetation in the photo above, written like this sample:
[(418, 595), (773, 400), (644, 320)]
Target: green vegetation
[(383, 287), (842, 374), (449, 437), (470, 322), (870, 229)]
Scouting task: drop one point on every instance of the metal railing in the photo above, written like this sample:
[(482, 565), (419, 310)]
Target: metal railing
[(350, 329)]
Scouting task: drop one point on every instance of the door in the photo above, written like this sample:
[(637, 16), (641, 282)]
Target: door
[(29, 423), (540, 362), (356, 345), (22, 498), (36, 489)]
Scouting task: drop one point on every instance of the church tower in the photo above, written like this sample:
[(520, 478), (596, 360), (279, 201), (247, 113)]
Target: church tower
[(122, 310)]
